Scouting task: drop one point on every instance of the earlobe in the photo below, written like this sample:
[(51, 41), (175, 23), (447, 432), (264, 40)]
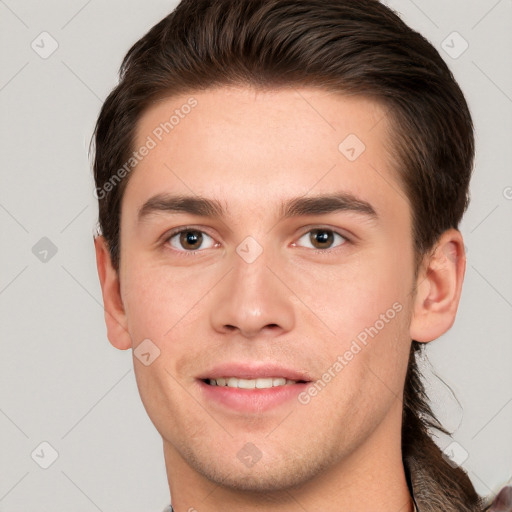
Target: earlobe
[(438, 288), (115, 317)]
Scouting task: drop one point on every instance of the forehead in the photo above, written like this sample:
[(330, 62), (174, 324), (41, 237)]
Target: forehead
[(247, 147)]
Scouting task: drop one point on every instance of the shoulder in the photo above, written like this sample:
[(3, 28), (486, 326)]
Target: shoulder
[(502, 502)]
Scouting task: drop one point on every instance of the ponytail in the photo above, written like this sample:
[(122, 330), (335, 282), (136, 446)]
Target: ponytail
[(437, 484)]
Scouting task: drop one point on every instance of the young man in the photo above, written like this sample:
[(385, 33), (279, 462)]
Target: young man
[(280, 185)]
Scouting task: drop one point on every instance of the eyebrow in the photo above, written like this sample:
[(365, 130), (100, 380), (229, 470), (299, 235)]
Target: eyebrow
[(295, 207)]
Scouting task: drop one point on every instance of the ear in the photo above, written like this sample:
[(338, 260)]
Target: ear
[(115, 316), (438, 288)]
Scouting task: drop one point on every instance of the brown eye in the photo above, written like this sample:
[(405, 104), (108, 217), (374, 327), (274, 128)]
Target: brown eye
[(191, 240), (322, 238)]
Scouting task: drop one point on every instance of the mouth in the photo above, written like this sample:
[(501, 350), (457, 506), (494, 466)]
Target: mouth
[(256, 383), (250, 387)]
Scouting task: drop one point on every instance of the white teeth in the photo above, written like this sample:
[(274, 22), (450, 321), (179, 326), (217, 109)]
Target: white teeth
[(246, 384), (263, 383), (232, 382)]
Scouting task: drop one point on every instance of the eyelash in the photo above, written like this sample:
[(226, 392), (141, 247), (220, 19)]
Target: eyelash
[(192, 253)]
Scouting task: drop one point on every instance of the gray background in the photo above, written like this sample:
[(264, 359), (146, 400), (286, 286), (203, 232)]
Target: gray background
[(60, 379)]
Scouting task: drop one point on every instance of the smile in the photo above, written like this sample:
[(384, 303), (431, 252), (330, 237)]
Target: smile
[(260, 383)]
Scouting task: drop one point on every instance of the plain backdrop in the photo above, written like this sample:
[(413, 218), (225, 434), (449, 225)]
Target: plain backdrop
[(62, 383)]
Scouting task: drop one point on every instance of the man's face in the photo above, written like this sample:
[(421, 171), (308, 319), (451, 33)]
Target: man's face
[(275, 284)]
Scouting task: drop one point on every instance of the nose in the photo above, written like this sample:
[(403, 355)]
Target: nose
[(252, 300)]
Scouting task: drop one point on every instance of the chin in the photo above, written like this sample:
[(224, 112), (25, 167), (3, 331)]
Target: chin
[(262, 477), (258, 482)]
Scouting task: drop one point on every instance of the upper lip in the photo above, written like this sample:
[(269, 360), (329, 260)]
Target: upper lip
[(254, 371)]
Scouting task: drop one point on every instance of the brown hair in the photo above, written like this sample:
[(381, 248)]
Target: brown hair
[(348, 46)]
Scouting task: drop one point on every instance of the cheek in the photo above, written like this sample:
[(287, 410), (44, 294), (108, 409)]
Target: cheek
[(346, 299), (369, 369), (159, 306), (157, 298), (166, 402), (362, 309)]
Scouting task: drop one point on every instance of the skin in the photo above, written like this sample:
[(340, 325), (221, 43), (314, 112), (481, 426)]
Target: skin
[(294, 305)]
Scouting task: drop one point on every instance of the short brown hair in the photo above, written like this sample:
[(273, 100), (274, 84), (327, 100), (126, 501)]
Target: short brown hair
[(354, 47)]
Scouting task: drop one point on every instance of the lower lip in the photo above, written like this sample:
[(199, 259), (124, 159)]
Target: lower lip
[(251, 400)]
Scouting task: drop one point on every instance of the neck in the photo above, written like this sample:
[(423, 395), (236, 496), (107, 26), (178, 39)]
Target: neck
[(371, 477)]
